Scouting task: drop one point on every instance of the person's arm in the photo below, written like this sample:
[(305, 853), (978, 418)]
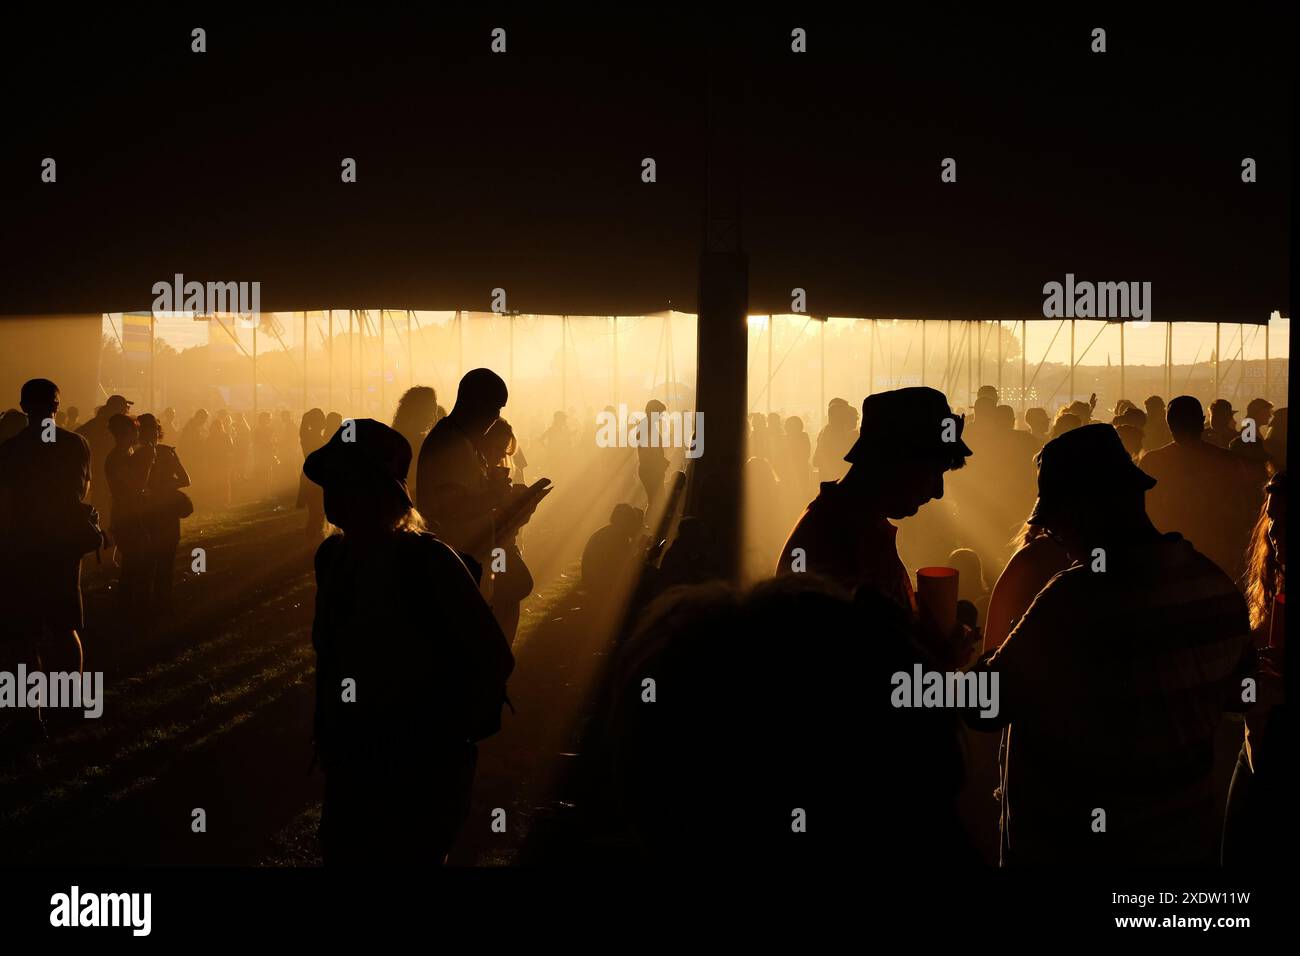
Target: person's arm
[(181, 476), (474, 628), (1017, 667)]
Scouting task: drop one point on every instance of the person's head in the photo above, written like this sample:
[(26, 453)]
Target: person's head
[(1133, 416), (125, 430), (774, 421), (312, 424), (1260, 410), (1155, 406), (1222, 414), (1004, 417), (841, 415), (74, 414), (984, 410), (168, 415), (117, 405), (1081, 410), (416, 410), (1122, 406), (498, 441), (989, 392), (794, 425), (909, 438), (1089, 489), (151, 430), (1066, 421), (365, 479), (1130, 437), (627, 520), (480, 397), (200, 417), (970, 573), (1037, 420), (1266, 555), (1186, 418), (264, 419), (39, 399), (11, 423)]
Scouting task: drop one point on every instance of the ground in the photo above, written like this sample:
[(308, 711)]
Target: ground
[(214, 712)]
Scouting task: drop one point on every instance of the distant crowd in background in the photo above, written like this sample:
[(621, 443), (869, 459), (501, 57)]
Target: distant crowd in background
[(1114, 683)]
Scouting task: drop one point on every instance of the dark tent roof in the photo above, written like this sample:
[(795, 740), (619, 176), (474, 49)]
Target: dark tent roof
[(522, 170)]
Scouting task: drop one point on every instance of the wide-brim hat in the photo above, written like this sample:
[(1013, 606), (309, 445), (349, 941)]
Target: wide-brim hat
[(368, 454), (1088, 463), (914, 419)]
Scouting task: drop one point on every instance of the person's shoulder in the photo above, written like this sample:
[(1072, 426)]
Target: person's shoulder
[(73, 438), (328, 551)]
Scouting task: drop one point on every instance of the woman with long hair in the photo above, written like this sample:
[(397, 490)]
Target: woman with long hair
[(1259, 801), (514, 581), (410, 663), (417, 410)]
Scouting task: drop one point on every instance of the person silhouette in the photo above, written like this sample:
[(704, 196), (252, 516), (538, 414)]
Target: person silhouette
[(126, 470), (165, 506), (512, 581), (44, 531), (1116, 678), (652, 463), (908, 439), (456, 493), (411, 666), (100, 438), (1202, 490), (311, 435), (416, 414)]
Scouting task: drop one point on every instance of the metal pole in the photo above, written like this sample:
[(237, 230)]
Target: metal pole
[(255, 372), (947, 359), (771, 332), (512, 350), (460, 345), (153, 348), (970, 364), (1072, 360), (999, 359), (1217, 360), (1268, 379), (1122, 392), (1024, 347), (1169, 360), (871, 356), (329, 348), (304, 361), (410, 353), (922, 321), (564, 363), (1241, 358), (823, 365), (613, 345)]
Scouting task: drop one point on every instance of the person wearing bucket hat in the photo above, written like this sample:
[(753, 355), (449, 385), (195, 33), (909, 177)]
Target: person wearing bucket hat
[(1117, 677), (411, 666), (908, 438)]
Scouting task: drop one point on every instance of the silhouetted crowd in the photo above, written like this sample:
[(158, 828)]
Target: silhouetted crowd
[(1119, 583)]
